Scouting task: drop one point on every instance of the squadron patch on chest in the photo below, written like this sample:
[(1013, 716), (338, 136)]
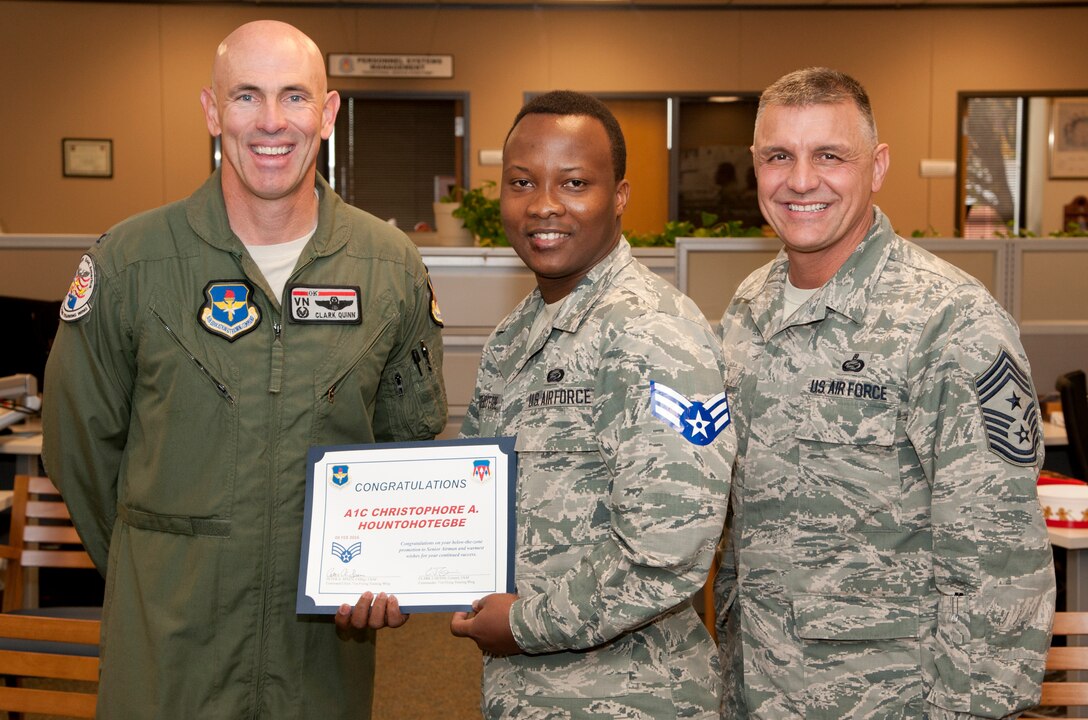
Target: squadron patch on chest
[(699, 423), (1009, 411), (227, 311), (324, 304)]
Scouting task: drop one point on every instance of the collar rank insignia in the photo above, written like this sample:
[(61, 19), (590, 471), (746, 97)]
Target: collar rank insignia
[(1009, 411), (77, 302), (339, 475), (227, 311), (346, 554), (699, 423)]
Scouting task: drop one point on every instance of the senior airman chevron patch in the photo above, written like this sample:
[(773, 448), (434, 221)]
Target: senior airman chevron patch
[(697, 422)]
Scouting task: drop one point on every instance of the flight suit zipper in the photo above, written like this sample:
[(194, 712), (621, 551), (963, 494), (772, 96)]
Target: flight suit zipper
[(330, 393), (219, 387)]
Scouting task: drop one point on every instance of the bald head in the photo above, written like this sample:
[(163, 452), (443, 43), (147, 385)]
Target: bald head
[(269, 102), (272, 41)]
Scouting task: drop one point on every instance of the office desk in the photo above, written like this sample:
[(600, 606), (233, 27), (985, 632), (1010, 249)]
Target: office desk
[(26, 446), (1075, 542), (1054, 435)]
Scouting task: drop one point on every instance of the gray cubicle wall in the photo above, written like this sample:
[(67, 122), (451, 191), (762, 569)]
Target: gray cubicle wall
[(1043, 283), (1050, 302), (40, 267)]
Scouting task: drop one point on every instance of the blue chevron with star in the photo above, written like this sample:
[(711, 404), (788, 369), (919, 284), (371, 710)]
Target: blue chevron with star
[(697, 422)]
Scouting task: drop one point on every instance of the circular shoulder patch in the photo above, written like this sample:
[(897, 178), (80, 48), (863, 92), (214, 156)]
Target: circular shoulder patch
[(78, 301)]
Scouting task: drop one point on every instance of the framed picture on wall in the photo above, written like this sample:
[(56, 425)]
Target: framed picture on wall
[(87, 157), (1069, 137)]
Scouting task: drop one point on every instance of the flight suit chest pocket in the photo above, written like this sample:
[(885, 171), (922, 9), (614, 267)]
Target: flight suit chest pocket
[(848, 463)]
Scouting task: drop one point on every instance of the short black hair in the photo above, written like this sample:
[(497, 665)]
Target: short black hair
[(569, 102)]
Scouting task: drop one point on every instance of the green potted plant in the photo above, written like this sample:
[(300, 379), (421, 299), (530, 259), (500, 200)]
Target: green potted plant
[(479, 211), (711, 228), (450, 229)]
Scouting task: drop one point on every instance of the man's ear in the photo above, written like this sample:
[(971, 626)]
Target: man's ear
[(328, 113), (623, 194), (211, 111), (882, 159)]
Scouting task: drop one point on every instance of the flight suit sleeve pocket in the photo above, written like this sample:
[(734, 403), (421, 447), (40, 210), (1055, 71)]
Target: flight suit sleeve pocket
[(822, 617), (411, 403)]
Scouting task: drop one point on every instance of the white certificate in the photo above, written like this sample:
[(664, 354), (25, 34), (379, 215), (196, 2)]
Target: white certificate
[(430, 522)]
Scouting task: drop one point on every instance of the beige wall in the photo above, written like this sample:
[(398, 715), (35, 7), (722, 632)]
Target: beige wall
[(133, 73)]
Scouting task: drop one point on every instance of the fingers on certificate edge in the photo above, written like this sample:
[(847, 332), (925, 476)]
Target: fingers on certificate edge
[(371, 612)]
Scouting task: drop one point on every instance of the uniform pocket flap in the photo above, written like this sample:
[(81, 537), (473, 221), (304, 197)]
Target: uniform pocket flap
[(849, 421), (825, 617), (557, 430)]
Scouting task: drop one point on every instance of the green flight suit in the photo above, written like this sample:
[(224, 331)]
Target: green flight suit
[(177, 422)]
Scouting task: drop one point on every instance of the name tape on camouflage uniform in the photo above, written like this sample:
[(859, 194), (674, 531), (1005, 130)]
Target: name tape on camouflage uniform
[(697, 422), (324, 304)]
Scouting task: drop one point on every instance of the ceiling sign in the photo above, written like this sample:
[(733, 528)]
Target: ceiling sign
[(429, 66)]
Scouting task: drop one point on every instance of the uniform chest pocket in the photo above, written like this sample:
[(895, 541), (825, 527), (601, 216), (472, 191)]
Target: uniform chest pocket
[(848, 465), (563, 485)]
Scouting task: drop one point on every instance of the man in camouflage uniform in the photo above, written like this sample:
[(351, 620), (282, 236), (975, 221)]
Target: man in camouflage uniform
[(887, 554), (612, 382)]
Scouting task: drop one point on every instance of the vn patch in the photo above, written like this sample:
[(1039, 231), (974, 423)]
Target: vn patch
[(324, 304), (227, 312), (77, 302), (697, 422), (1008, 411), (346, 554)]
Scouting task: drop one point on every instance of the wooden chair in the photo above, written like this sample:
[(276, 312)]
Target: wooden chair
[(41, 535), (51, 647), (1072, 658), (54, 649)]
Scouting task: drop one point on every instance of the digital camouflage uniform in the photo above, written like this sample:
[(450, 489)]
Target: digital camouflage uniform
[(618, 513), (888, 557), (178, 437)]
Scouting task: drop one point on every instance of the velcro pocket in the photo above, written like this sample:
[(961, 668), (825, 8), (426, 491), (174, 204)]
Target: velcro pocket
[(836, 617)]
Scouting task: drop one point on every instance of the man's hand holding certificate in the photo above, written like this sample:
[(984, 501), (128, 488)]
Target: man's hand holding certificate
[(430, 522)]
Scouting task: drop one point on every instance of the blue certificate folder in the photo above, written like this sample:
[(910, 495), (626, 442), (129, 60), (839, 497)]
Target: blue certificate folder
[(431, 522)]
